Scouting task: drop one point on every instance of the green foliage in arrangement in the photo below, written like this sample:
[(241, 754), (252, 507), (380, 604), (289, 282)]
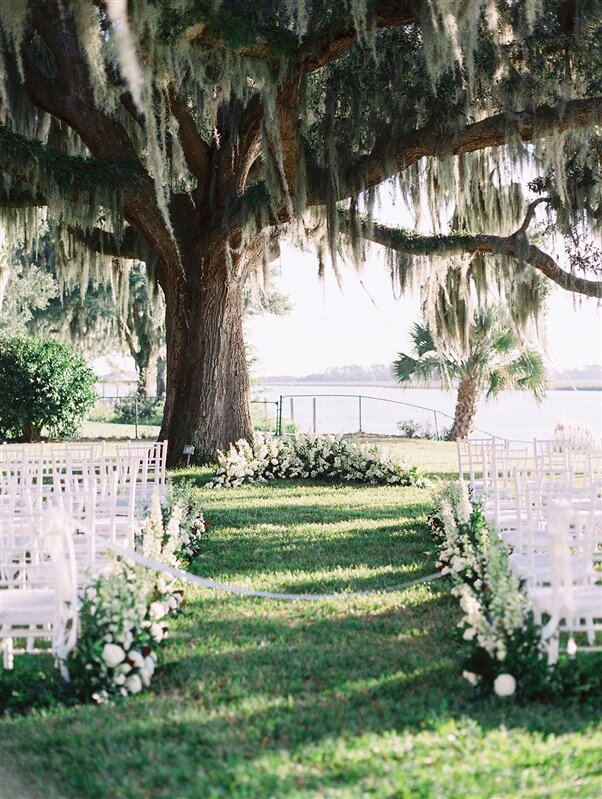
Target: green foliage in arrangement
[(45, 387)]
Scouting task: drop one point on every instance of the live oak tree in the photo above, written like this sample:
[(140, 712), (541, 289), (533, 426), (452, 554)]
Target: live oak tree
[(95, 320), (192, 135)]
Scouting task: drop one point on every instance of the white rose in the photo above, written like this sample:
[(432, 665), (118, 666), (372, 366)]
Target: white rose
[(472, 678), (504, 685), (119, 679), (156, 610), (112, 655), (136, 659), (157, 632), (133, 684)]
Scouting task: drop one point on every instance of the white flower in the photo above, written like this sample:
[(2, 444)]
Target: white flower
[(112, 655), (157, 632), (504, 685), (459, 564), (119, 679), (136, 659), (472, 678), (133, 684), (157, 610)]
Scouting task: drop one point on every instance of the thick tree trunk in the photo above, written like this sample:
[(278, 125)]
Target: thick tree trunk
[(207, 396), (466, 408)]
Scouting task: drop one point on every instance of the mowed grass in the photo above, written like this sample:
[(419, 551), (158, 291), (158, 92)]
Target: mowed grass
[(352, 697)]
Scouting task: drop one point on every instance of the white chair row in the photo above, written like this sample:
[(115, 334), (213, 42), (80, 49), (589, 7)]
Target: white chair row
[(60, 508), (546, 504), (44, 468), (570, 600), (38, 585)]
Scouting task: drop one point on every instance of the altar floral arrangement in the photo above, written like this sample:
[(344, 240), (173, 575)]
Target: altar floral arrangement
[(319, 457)]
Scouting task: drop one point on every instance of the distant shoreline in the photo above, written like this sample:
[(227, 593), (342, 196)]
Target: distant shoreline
[(560, 385)]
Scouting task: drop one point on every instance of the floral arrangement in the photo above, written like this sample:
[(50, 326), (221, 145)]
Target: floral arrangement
[(122, 620), (123, 615), (505, 650), (182, 502), (323, 457)]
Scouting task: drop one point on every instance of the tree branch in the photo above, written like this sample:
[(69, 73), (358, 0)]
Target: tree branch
[(196, 151), (21, 158), (328, 44), (531, 213), (70, 98), (389, 158), (132, 245), (318, 47), (516, 246)]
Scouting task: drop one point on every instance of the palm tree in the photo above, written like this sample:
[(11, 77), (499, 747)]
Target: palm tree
[(492, 359)]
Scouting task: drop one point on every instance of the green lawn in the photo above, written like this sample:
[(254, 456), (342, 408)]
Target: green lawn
[(346, 698)]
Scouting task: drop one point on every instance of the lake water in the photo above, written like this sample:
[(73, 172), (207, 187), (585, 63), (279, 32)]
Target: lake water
[(515, 415)]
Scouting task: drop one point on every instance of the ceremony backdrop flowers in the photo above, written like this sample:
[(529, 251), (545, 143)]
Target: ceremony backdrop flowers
[(320, 457)]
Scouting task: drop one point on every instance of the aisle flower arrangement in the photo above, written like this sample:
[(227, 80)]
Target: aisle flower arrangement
[(122, 623), (505, 653), (124, 613), (320, 457)]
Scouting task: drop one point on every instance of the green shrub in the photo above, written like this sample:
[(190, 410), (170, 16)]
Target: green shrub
[(45, 385)]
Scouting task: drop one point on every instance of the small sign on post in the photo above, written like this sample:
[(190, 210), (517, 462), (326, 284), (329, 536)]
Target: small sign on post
[(188, 451)]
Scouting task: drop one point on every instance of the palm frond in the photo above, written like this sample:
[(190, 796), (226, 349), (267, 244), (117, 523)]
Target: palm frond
[(529, 373), (403, 367), (422, 339)]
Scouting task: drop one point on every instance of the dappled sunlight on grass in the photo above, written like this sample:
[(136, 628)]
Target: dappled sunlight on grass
[(350, 698)]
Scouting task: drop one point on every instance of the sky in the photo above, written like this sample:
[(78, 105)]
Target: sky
[(366, 324)]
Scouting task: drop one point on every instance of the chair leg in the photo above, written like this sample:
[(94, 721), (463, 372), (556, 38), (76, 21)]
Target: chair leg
[(7, 653), (553, 647)]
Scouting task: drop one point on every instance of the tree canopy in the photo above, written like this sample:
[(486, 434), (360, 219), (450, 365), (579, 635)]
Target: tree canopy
[(193, 134)]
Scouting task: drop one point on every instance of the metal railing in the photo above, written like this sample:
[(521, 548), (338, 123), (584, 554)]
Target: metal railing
[(272, 415), (360, 413), (267, 418)]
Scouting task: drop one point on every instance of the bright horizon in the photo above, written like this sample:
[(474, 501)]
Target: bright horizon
[(366, 324)]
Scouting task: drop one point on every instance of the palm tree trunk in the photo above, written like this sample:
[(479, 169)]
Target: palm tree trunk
[(466, 408)]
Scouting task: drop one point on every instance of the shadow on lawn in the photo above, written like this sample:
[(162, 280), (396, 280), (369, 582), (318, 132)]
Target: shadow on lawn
[(269, 555), (347, 675), (251, 691)]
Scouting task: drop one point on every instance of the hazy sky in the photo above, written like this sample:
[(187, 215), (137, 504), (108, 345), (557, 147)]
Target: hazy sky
[(365, 324)]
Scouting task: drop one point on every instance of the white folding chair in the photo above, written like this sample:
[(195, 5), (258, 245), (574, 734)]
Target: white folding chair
[(569, 604)]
